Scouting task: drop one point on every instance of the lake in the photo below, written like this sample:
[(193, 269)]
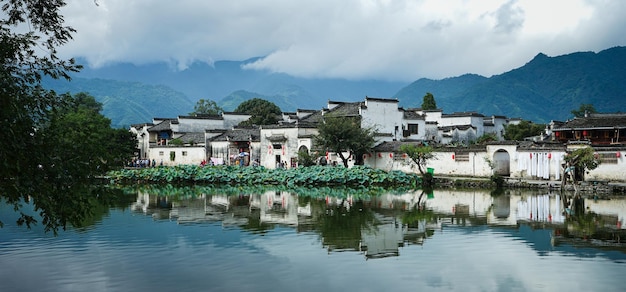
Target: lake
[(447, 240)]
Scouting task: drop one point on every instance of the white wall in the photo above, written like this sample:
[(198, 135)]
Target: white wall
[(383, 115), (194, 155)]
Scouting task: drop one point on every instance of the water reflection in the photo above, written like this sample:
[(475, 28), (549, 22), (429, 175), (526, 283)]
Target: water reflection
[(378, 226)]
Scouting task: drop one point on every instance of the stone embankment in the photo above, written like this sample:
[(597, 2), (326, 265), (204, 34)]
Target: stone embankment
[(609, 188)]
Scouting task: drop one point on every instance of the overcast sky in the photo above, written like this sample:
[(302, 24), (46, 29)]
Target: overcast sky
[(399, 40)]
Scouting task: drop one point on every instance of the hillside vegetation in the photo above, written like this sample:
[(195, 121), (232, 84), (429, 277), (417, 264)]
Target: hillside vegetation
[(544, 89)]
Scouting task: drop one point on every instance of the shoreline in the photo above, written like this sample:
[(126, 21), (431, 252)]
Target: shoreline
[(584, 187)]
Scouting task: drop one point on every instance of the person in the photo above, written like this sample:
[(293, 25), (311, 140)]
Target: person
[(153, 162), (255, 162)]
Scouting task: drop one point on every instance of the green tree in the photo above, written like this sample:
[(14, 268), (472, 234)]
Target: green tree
[(429, 102), (262, 112), (344, 134), (420, 154), (487, 137), (206, 107), (82, 142), (584, 109), (522, 130), (51, 143), (305, 158), (582, 159)]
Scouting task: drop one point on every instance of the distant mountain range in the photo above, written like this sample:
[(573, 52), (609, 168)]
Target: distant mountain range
[(544, 89)]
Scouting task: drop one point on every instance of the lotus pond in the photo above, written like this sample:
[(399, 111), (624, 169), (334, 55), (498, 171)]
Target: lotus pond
[(302, 176)]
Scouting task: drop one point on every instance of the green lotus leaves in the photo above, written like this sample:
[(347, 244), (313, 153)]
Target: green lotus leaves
[(304, 176)]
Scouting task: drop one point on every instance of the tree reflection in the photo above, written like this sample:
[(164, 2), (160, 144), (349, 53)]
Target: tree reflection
[(77, 205), (584, 225), (341, 226)]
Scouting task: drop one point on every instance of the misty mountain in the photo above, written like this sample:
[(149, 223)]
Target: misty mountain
[(544, 89)]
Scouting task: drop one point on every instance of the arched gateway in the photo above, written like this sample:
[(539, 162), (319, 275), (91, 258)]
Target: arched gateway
[(502, 162)]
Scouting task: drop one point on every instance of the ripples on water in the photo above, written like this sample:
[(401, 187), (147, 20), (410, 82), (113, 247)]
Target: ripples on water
[(453, 241)]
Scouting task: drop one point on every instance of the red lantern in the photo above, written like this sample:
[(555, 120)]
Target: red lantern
[(390, 155), (549, 155), (452, 156), (364, 156), (618, 154), (557, 134), (404, 155), (380, 155), (585, 133)]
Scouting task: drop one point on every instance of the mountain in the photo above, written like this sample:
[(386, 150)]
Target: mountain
[(544, 89), (127, 103), (218, 80)]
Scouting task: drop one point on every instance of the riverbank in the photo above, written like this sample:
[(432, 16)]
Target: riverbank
[(603, 187)]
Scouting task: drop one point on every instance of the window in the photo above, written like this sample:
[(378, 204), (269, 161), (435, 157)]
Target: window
[(461, 157), (608, 158), (413, 129), (160, 153), (184, 153)]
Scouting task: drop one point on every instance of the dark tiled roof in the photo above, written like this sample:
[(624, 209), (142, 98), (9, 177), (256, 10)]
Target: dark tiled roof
[(346, 109), (607, 121), (203, 117), (463, 114), (460, 127), (393, 100), (240, 134), (193, 138), (410, 115), (313, 118), (162, 126)]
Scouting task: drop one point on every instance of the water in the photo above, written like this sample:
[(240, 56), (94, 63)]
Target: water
[(278, 241)]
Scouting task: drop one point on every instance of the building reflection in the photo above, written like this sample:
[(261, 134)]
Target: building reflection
[(381, 225)]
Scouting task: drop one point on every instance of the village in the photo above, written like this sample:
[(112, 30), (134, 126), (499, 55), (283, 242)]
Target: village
[(217, 140)]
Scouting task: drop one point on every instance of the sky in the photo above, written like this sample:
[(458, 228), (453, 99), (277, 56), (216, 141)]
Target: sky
[(399, 40)]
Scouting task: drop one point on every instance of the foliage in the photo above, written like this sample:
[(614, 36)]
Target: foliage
[(419, 154), (255, 176), (206, 107), (344, 134), (82, 142), (522, 130), (583, 159), (306, 159), (127, 103), (175, 142), (429, 102), (262, 112), (52, 143), (486, 138), (584, 109), (544, 89)]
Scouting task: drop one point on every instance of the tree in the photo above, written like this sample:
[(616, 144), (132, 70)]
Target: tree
[(429, 102), (522, 130), (584, 109), (206, 107), (344, 134), (581, 160), (486, 138), (263, 112), (41, 158), (81, 140), (420, 154)]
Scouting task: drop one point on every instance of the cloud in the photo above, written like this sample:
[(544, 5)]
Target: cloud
[(354, 39)]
